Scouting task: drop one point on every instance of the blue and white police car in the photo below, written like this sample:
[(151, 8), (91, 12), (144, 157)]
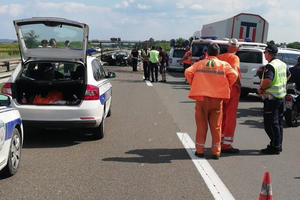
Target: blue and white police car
[(11, 137), (58, 86)]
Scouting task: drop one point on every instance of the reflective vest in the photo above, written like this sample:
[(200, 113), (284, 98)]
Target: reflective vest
[(278, 84), (210, 77), (153, 56), (187, 58)]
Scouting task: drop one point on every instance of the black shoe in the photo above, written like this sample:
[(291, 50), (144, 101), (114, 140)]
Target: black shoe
[(152, 81), (199, 155), (231, 150), (161, 81), (215, 157), (270, 151)]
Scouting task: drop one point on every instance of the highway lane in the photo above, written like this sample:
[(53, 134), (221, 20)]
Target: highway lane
[(141, 156)]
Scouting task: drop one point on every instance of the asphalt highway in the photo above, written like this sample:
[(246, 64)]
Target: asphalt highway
[(142, 157)]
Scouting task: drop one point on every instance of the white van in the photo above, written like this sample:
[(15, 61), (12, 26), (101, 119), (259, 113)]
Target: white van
[(199, 46), (252, 58), (175, 59)]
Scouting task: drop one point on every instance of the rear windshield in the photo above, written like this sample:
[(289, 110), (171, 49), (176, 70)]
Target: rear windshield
[(250, 56), (52, 36), (198, 50), (288, 58), (178, 53)]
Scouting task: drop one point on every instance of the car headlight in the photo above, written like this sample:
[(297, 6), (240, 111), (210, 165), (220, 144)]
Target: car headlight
[(113, 56)]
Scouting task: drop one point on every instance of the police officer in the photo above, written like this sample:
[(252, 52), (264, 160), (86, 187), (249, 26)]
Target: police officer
[(153, 63), (273, 91)]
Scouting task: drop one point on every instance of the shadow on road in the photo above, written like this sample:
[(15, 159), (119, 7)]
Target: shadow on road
[(157, 156), (54, 139)]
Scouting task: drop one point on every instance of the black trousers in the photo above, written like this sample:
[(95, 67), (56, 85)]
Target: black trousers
[(146, 70), (273, 119), (134, 64), (153, 67)]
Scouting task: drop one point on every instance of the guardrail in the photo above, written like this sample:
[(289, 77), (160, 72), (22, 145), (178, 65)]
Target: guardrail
[(8, 64)]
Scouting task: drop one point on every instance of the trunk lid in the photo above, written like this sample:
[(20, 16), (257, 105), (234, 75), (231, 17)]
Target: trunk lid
[(35, 34)]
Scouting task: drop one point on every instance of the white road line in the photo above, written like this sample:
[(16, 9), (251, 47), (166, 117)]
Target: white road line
[(149, 83), (212, 180)]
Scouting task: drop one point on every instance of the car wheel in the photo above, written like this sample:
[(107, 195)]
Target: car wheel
[(14, 155), (291, 117), (109, 112), (99, 131), (244, 93)]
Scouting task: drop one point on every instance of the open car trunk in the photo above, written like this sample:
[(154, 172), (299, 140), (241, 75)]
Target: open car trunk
[(50, 83)]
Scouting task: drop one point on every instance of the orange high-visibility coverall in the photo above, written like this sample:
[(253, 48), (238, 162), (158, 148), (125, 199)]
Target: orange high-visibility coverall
[(210, 80), (230, 107)]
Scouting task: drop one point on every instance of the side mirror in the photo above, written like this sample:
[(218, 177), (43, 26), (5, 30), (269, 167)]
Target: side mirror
[(111, 75), (4, 100)]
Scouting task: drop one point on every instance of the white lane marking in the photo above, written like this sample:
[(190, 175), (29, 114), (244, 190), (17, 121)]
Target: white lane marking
[(149, 83), (212, 180)]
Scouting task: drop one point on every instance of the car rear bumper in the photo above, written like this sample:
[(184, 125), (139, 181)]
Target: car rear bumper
[(61, 124)]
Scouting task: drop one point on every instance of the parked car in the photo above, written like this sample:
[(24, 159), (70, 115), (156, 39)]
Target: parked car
[(11, 137), (60, 87), (252, 59), (175, 57)]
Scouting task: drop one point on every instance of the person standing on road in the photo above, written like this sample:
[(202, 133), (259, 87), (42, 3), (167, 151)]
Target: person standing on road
[(210, 80), (135, 55), (230, 107), (273, 91), (153, 59), (162, 64), (145, 56), (187, 58)]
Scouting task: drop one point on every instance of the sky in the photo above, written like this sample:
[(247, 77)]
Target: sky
[(157, 19)]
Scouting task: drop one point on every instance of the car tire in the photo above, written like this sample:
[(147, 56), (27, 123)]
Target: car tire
[(99, 131), (109, 112), (14, 154), (244, 93), (291, 117)]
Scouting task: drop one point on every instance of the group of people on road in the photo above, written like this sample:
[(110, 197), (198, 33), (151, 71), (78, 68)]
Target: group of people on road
[(215, 86), (152, 60)]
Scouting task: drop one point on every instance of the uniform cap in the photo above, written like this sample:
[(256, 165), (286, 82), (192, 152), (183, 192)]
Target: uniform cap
[(272, 48), (233, 42)]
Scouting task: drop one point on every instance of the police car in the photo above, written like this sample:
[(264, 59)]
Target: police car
[(11, 137), (59, 87)]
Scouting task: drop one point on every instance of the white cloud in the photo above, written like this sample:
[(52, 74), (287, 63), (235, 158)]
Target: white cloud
[(13, 10), (179, 5), (3, 9), (196, 7), (125, 4), (142, 6)]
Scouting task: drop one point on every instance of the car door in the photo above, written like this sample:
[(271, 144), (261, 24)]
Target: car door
[(105, 87)]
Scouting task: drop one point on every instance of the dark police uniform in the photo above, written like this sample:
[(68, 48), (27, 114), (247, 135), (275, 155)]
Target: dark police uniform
[(273, 114)]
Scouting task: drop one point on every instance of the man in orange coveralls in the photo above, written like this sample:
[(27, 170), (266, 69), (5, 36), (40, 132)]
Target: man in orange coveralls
[(210, 80), (230, 107)]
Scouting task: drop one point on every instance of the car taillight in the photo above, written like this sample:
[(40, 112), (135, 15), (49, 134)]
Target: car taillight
[(288, 98), (170, 60), (6, 89), (91, 93)]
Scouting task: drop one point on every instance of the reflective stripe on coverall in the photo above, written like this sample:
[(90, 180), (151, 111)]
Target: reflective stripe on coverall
[(230, 107), (210, 80)]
